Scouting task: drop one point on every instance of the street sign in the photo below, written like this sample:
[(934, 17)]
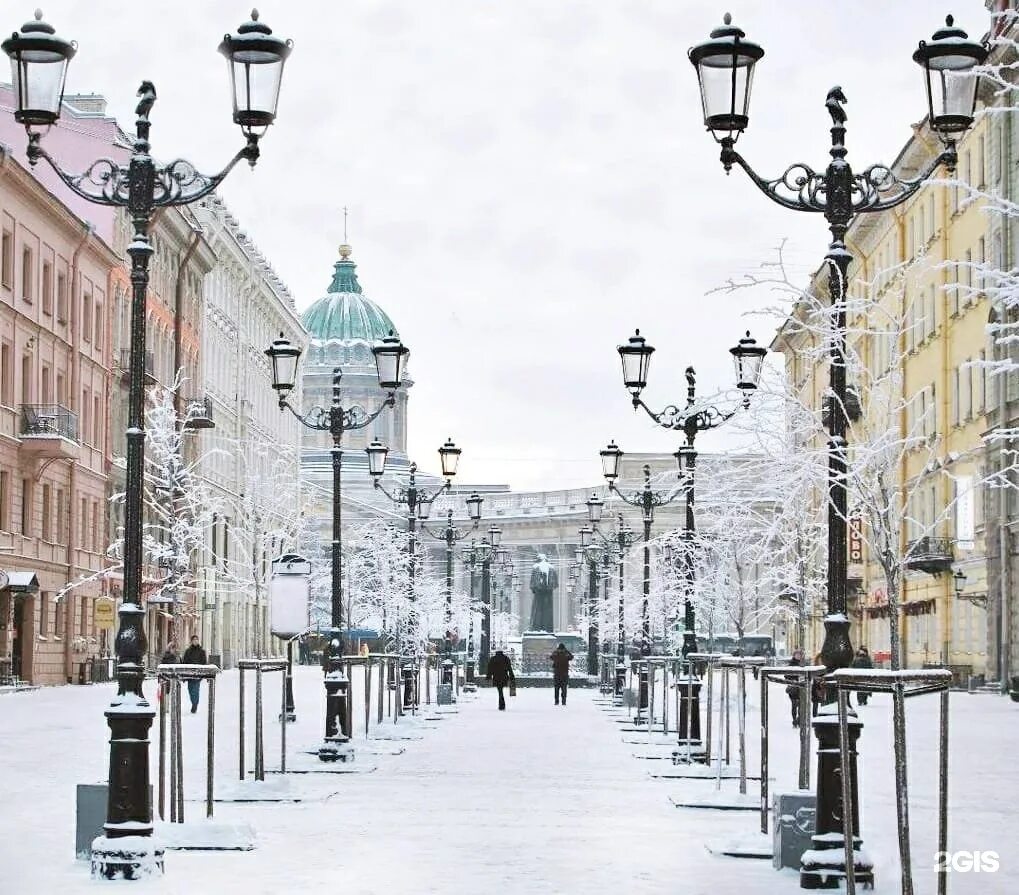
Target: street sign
[(104, 613)]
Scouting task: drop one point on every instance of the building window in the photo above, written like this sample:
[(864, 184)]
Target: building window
[(83, 521), (44, 613), (7, 259), (61, 527), (58, 618), (26, 379), (47, 522), (27, 274), (45, 392), (99, 325), (980, 164), (97, 422), (62, 297), (86, 403), (26, 508), (86, 317), (84, 605), (6, 375), (47, 287), (5, 500), (61, 390), (95, 526)]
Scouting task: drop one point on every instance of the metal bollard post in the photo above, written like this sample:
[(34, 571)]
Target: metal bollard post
[(764, 754), (741, 722), (847, 792), (259, 767), (240, 750), (211, 747), (382, 688), (178, 735), (710, 671), (283, 726), (162, 748), (367, 693)]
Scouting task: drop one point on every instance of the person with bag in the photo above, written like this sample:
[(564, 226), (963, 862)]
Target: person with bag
[(862, 659), (561, 658), (793, 687), (500, 673)]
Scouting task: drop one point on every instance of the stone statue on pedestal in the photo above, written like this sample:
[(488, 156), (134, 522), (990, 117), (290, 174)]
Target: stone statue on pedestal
[(543, 584)]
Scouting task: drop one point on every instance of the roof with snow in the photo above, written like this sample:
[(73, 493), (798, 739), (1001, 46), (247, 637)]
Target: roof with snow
[(344, 314)]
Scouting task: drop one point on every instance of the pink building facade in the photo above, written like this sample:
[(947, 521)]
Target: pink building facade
[(56, 279)]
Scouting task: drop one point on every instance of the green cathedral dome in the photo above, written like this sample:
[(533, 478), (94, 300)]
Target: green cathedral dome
[(343, 314)]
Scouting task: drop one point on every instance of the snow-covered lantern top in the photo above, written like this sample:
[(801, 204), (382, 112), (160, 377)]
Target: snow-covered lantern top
[(595, 508), (610, 458), (39, 61), (749, 358), (636, 358), (390, 356), (255, 57), (284, 356), (948, 60), (377, 453), (474, 507), (725, 71), (449, 457)]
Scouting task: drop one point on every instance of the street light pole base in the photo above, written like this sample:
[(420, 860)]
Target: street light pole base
[(126, 857), (825, 867), (291, 717), (336, 750)]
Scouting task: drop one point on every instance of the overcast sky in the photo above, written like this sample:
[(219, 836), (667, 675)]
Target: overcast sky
[(528, 180)]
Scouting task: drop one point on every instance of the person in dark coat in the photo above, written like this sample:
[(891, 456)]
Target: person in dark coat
[(793, 687), (500, 673), (561, 658), (818, 691), (195, 655), (170, 657), (862, 659)]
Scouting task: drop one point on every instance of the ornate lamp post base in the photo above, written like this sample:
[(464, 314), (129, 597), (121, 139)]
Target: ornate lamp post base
[(337, 746), (470, 686), (824, 866), (126, 857), (620, 680), (408, 673), (689, 718), (447, 672)]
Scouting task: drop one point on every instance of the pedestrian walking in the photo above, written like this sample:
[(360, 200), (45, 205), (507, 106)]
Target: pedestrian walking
[(794, 686), (170, 657), (500, 673), (195, 655), (561, 658), (862, 659)]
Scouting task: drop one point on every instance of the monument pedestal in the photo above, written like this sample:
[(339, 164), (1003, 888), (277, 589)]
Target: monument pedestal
[(536, 651)]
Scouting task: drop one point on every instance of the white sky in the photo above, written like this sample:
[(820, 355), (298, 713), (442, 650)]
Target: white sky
[(527, 181)]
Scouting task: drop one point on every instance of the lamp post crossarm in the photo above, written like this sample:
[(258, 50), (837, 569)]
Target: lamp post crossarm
[(877, 188), (685, 419), (336, 419), (449, 532), (105, 182)]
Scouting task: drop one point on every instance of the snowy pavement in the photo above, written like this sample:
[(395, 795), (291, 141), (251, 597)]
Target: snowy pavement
[(537, 799)]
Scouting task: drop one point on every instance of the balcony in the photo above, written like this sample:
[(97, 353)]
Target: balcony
[(48, 431), (930, 555), (125, 366), (198, 413)]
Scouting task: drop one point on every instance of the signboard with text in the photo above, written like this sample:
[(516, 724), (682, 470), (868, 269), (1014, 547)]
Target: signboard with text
[(104, 612)]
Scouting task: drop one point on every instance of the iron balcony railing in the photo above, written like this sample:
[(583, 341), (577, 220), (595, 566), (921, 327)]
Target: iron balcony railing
[(929, 554), (48, 420)]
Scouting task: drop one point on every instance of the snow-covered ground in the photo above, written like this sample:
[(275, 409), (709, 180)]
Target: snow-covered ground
[(537, 799)]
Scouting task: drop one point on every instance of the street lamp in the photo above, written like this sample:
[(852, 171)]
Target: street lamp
[(39, 61), (419, 505), (748, 358), (959, 582), (647, 499), (335, 420), (450, 534), (724, 67)]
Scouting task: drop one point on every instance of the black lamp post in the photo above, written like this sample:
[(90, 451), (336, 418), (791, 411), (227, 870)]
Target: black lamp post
[(39, 60), (450, 534), (592, 555), (472, 563), (390, 356), (419, 506), (725, 65), (647, 499), (478, 557), (691, 419)]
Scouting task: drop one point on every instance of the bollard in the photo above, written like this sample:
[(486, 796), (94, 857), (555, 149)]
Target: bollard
[(211, 747)]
